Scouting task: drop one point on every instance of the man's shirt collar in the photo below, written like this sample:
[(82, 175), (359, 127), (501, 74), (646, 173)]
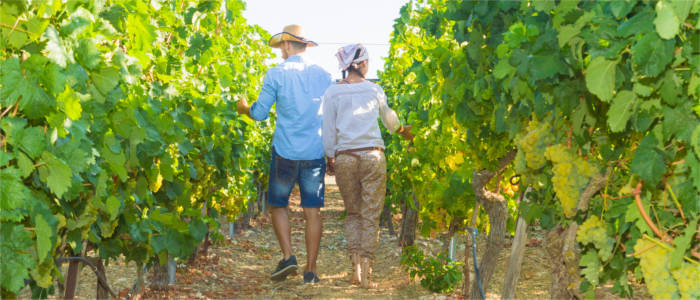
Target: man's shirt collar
[(294, 58)]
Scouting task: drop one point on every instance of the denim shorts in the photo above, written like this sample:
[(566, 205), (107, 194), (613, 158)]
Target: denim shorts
[(284, 173)]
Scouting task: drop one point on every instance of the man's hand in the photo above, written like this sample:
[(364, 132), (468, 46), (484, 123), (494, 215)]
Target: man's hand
[(405, 132), (242, 107), (330, 166)]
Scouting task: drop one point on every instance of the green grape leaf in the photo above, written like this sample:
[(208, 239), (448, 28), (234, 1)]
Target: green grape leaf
[(651, 55), (669, 89), (678, 123), (53, 78), (640, 23), (621, 8), (503, 69), (87, 54), (116, 162), (648, 161), (642, 90), (694, 85), (543, 5), (621, 110), (682, 8), (694, 165), (26, 166), (142, 31), (695, 140), (545, 66), (566, 33), (6, 157), (112, 205), (58, 175), (123, 122), (12, 82), (71, 152), (43, 237), (14, 243), (15, 38), (166, 167), (12, 194), (105, 79), (54, 47), (79, 19), (666, 21), (591, 267), (107, 227), (69, 103), (633, 215), (682, 244), (88, 217), (31, 140), (600, 77), (198, 229)]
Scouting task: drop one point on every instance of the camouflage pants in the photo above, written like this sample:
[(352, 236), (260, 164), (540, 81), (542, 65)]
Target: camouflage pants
[(361, 178)]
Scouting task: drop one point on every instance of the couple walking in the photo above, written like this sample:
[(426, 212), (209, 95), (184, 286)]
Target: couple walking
[(316, 116)]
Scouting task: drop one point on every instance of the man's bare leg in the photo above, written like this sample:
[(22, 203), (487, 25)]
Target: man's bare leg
[(280, 223), (313, 237)]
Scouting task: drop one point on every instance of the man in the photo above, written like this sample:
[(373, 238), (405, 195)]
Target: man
[(297, 149)]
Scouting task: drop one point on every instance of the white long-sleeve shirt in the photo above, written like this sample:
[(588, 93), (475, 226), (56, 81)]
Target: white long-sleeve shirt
[(350, 113)]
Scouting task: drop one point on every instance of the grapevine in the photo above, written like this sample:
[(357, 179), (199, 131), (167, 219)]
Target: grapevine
[(617, 84), (119, 128)]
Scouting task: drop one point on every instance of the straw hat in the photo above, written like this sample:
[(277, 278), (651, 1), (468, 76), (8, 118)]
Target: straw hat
[(293, 33)]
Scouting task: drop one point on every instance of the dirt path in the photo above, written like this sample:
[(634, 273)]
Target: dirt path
[(239, 268)]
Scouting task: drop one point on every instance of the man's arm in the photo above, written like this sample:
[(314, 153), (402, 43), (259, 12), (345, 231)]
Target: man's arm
[(260, 109)]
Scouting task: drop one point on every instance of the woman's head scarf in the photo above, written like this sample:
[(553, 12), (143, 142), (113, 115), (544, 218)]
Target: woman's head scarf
[(351, 55)]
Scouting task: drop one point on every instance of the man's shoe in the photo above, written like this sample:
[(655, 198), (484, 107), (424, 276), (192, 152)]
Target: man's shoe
[(310, 277), (284, 268)]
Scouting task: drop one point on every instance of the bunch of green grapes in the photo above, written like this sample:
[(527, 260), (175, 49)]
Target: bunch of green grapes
[(654, 263), (571, 175), (688, 279), (533, 144), (593, 231)]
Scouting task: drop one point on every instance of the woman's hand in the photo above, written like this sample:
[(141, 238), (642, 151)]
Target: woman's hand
[(405, 132), (330, 166)]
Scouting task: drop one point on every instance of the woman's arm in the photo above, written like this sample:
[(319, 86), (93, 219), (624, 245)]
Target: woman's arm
[(391, 120), (329, 130)]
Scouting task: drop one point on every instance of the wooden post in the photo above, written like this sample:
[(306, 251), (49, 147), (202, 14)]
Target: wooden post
[(517, 252), (71, 279), (408, 224), (467, 246), (102, 292), (495, 206), (172, 268), (385, 219), (160, 278), (72, 276)]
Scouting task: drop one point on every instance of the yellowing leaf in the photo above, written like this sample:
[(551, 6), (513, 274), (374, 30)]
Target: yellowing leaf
[(69, 103)]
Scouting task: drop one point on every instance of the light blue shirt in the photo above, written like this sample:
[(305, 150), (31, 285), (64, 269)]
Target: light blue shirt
[(297, 86)]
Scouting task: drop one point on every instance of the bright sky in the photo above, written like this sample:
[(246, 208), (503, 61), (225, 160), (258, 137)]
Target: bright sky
[(332, 24)]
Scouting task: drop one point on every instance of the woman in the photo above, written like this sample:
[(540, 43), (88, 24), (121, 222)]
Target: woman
[(355, 151)]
